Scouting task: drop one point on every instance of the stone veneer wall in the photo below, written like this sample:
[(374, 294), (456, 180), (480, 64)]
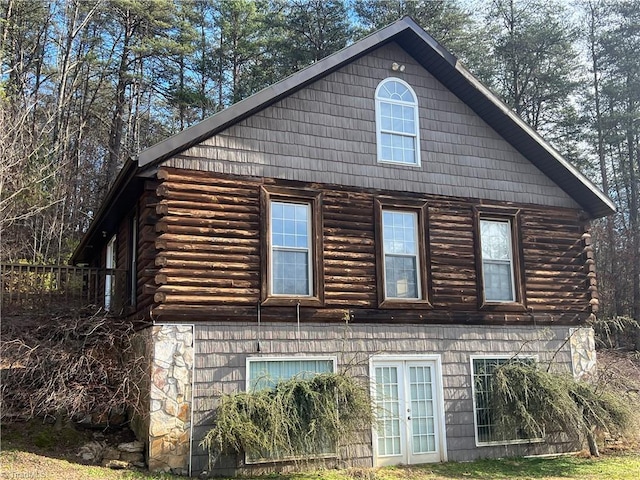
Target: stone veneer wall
[(583, 352), (170, 399), (221, 351)]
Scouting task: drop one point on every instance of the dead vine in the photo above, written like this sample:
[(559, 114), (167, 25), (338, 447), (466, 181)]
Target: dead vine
[(70, 366)]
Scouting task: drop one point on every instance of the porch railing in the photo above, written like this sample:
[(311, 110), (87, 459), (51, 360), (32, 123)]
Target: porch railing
[(60, 288)]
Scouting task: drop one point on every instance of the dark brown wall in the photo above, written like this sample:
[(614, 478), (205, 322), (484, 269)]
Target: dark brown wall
[(208, 260)]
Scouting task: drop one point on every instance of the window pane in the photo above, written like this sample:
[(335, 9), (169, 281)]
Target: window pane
[(289, 224), (487, 424), (399, 232), (397, 118), (497, 282), (290, 272), (398, 148), (496, 240), (401, 277), (265, 374), (396, 91)]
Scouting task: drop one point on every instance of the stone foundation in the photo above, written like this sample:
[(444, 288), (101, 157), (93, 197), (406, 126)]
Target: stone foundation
[(170, 399)]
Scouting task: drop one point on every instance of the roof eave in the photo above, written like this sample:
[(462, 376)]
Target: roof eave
[(125, 176)]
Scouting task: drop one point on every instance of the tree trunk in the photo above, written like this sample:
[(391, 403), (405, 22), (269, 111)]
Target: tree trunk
[(591, 440)]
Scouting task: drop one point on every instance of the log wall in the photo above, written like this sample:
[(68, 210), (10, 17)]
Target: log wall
[(206, 254)]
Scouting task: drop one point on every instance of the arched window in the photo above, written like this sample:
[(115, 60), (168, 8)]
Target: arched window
[(397, 122)]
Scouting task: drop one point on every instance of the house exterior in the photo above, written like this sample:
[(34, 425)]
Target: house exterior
[(380, 211)]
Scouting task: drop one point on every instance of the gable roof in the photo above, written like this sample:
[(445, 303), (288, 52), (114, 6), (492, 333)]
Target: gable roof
[(432, 56)]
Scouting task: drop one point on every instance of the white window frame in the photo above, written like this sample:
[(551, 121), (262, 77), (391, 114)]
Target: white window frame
[(473, 397), (379, 131), (306, 358), (309, 249), (415, 255), (110, 278), (509, 223)]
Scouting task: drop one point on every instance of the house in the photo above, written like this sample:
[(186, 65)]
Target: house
[(380, 209)]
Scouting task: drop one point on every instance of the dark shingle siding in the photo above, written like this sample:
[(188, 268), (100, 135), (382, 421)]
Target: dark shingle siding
[(326, 133)]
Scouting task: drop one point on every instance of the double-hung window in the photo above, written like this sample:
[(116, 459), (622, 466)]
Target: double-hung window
[(491, 430), (292, 229), (291, 266), (401, 245), (497, 260), (499, 271), (397, 123), (401, 259)]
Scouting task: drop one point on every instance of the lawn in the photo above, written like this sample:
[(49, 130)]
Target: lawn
[(37, 451)]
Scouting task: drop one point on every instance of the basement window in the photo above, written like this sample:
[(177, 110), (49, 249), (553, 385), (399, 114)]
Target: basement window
[(265, 373), (486, 427)]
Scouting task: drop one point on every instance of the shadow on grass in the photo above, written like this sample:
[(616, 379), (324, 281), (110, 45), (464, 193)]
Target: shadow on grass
[(42, 438)]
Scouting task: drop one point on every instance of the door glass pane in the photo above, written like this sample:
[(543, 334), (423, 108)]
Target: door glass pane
[(388, 410), (422, 418)]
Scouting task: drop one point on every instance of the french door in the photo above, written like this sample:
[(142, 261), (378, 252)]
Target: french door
[(409, 420)]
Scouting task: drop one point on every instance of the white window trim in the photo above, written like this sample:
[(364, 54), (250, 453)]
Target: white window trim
[(249, 360), (514, 297), (473, 397), (379, 122), (110, 278), (416, 255), (309, 249)]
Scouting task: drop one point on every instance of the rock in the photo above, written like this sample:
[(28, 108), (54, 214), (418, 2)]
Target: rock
[(132, 447), (115, 464), (132, 457), (92, 451), (111, 454)]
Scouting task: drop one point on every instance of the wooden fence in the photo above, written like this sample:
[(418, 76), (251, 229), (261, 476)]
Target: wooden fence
[(60, 288)]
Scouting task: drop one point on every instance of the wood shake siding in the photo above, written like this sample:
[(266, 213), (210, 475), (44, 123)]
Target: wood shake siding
[(326, 133), (208, 262)]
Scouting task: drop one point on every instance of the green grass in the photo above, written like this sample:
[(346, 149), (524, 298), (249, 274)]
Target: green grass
[(609, 467), (26, 452)]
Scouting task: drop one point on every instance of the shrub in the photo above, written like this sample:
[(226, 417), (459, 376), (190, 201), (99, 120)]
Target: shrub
[(297, 418)]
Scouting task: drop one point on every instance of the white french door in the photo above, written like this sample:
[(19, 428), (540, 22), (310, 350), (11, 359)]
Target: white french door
[(409, 411)]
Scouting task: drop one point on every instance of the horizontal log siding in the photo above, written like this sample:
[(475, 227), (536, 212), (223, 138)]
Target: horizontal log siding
[(556, 277), (453, 273), (208, 242), (208, 261), (147, 219), (349, 249)]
